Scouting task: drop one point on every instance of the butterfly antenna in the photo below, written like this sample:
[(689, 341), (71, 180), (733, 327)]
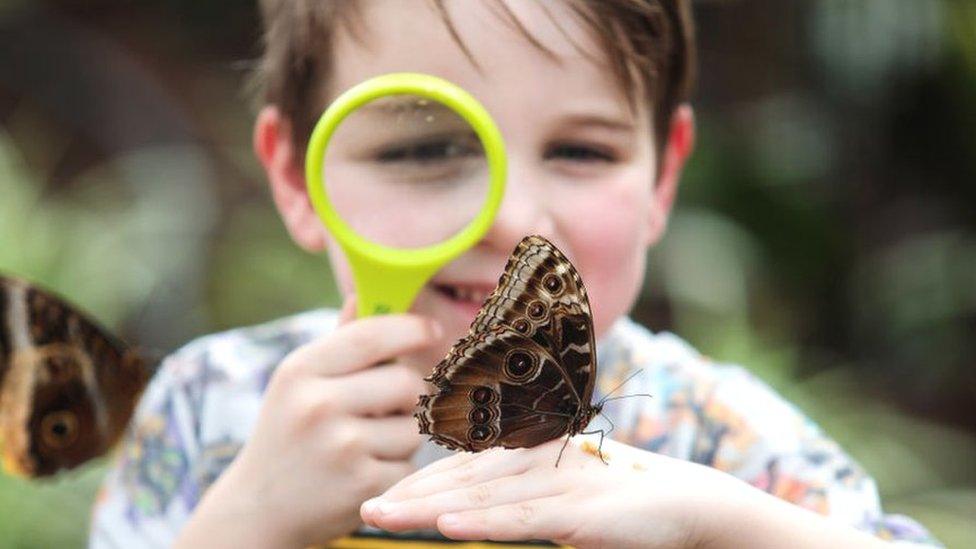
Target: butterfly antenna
[(648, 395), (622, 383)]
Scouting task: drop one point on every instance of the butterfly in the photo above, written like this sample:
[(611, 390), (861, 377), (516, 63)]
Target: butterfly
[(524, 374), (67, 386)]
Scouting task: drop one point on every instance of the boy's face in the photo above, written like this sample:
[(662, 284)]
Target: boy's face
[(581, 164)]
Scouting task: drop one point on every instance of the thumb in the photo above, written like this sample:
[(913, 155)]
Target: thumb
[(348, 313)]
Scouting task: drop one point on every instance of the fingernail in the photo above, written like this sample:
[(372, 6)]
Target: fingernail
[(387, 507), (370, 505)]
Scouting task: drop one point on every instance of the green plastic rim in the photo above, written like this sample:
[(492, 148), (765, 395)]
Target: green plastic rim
[(388, 279)]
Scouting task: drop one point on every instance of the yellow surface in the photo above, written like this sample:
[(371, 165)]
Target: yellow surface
[(377, 543)]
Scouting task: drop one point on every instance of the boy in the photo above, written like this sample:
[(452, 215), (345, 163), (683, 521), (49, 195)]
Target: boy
[(282, 435)]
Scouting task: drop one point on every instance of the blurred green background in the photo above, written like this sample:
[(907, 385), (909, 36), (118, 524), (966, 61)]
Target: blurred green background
[(825, 236)]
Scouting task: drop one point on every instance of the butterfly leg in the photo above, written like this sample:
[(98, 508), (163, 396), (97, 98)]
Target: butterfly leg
[(599, 448), (603, 433), (561, 450), (606, 417)]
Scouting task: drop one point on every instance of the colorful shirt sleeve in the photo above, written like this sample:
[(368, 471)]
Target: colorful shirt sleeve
[(724, 417), (151, 488)]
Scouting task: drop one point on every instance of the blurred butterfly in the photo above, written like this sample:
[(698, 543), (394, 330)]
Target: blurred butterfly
[(525, 372), (67, 386)]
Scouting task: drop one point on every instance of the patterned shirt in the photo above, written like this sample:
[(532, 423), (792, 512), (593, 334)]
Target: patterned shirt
[(203, 403)]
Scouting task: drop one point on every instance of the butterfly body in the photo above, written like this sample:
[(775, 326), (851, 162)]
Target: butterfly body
[(67, 387), (525, 372)]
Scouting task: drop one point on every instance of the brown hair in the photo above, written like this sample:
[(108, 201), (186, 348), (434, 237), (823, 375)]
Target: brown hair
[(649, 43)]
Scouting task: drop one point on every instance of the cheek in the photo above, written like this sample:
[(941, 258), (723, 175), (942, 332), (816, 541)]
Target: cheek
[(607, 232)]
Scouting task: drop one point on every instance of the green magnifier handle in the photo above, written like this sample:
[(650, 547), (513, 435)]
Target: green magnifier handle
[(388, 279)]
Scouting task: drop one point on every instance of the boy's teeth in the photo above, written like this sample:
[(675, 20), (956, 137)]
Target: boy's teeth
[(468, 294)]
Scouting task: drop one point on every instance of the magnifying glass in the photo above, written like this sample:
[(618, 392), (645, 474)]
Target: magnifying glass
[(407, 172)]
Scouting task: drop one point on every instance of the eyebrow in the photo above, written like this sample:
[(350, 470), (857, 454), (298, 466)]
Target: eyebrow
[(400, 104), (599, 121)]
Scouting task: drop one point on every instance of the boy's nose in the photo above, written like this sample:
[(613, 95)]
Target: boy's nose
[(524, 211)]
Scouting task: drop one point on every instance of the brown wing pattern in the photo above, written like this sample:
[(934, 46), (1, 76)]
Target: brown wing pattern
[(499, 388), (68, 386), (525, 372), (541, 294)]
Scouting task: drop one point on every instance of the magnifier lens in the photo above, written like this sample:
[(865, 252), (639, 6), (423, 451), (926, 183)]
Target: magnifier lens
[(405, 171)]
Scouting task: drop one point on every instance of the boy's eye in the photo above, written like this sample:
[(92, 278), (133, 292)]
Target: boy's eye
[(431, 159), (579, 153), (430, 151)]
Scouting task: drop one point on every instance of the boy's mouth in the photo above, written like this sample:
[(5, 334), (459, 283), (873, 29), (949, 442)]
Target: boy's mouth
[(463, 299), (465, 294)]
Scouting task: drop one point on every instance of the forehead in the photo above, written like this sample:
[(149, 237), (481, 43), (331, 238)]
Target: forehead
[(504, 67)]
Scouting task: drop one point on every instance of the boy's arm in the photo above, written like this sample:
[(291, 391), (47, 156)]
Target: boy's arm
[(724, 417), (747, 430)]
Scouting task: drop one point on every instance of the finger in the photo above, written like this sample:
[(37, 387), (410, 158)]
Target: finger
[(488, 465), (387, 473), (348, 313), (391, 438), (364, 343), (381, 390), (550, 518), (442, 464), (423, 512)]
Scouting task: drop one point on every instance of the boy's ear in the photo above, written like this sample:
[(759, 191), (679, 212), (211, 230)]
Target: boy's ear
[(276, 151), (680, 143)]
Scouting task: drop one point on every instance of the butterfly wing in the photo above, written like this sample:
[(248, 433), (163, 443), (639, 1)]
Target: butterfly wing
[(67, 386), (497, 388), (525, 372), (541, 295)]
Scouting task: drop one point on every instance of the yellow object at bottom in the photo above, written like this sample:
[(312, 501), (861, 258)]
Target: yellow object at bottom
[(377, 542)]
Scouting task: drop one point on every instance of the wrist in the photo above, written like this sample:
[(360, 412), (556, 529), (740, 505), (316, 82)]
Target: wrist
[(712, 513), (749, 517), (738, 510)]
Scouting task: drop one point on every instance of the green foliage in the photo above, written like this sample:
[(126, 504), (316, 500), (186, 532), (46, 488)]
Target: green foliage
[(254, 260), (50, 513)]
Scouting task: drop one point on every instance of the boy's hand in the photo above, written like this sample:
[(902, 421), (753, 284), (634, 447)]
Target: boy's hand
[(335, 429), (640, 499)]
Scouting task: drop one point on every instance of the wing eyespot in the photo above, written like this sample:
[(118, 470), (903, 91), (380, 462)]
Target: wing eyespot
[(522, 326), (483, 395), (59, 429), (480, 433), (480, 415), (519, 365), (553, 284)]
